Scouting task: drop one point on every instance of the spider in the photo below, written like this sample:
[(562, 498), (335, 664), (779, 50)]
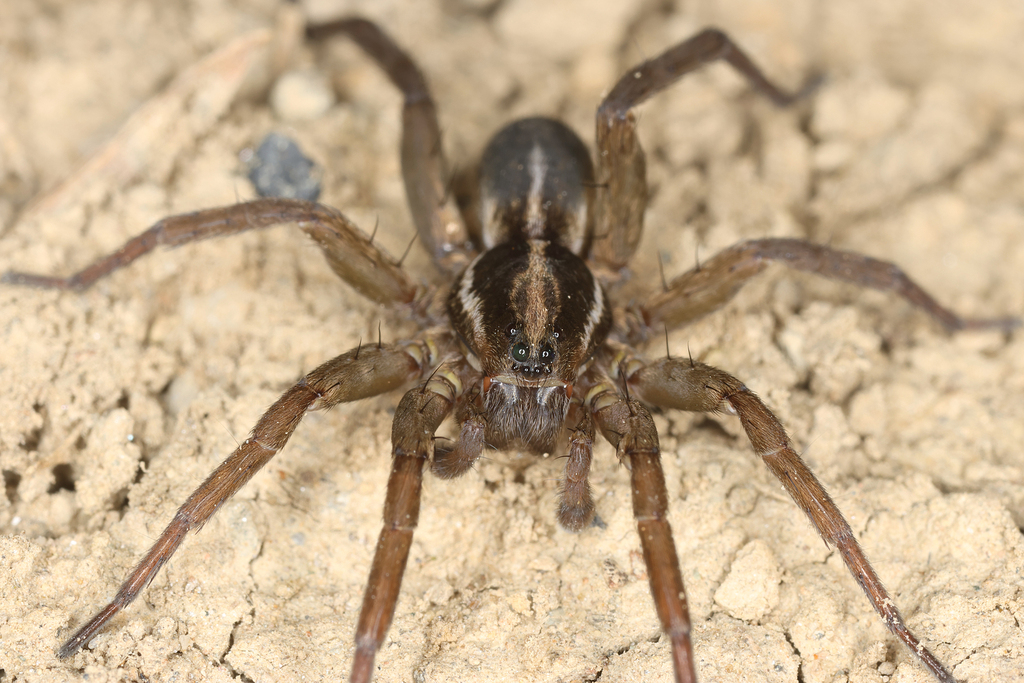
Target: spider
[(525, 348)]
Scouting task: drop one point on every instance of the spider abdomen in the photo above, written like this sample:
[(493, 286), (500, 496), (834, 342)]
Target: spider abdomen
[(536, 182)]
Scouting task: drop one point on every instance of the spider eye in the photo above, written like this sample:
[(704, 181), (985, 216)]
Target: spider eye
[(520, 352), (547, 353), (512, 330)]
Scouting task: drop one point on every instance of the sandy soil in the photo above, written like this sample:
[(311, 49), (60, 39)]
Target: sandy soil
[(118, 401)]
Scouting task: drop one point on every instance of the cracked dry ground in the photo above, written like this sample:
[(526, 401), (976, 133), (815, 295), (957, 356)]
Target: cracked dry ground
[(118, 401)]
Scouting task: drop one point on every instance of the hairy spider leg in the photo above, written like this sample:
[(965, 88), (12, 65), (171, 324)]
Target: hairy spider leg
[(358, 374), (627, 424), (621, 165), (684, 384), (349, 252), (706, 288), (424, 168), (420, 412)]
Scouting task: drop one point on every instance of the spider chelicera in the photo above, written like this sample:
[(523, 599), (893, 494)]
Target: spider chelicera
[(526, 348)]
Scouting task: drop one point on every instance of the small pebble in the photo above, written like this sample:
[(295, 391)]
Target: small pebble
[(301, 96), (280, 169)]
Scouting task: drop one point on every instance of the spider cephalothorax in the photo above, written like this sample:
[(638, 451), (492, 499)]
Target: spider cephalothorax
[(527, 356), (528, 310)]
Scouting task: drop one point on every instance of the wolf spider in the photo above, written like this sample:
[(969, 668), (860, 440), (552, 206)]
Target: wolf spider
[(525, 348)]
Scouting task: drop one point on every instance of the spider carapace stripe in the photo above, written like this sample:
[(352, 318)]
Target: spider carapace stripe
[(526, 354)]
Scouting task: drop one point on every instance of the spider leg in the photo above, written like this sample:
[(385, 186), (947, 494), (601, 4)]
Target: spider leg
[(575, 502), (629, 427), (417, 417), (352, 376), (452, 462), (349, 252), (707, 287), (424, 168), (688, 385), (621, 166)]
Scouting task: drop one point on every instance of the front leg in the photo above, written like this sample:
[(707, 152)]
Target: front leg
[(688, 385), (418, 416), (628, 426), (357, 374), (621, 166)]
